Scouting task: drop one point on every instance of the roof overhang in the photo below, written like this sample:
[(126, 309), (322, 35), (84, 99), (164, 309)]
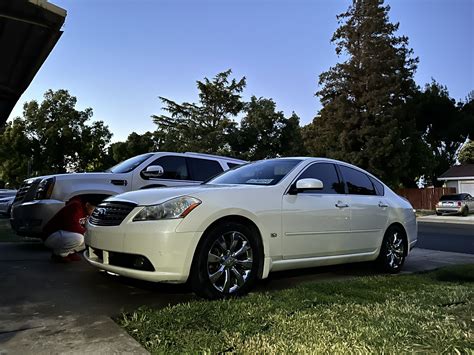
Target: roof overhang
[(456, 178), (29, 30)]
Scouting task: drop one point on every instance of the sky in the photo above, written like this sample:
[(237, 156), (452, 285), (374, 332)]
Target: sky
[(119, 56)]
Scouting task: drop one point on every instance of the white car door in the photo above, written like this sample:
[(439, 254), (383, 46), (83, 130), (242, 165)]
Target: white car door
[(317, 222), (369, 210)]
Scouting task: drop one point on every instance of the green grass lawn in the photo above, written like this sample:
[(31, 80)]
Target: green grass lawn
[(429, 312)]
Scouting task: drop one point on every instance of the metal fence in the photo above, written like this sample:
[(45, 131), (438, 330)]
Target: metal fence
[(425, 199)]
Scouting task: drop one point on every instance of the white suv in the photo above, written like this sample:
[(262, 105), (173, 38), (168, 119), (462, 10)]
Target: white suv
[(39, 198)]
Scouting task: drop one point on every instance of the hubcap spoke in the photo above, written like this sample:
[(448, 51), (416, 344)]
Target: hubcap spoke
[(217, 275), (242, 250), (246, 264), (234, 243), (239, 277), (222, 243), (213, 258), (227, 281)]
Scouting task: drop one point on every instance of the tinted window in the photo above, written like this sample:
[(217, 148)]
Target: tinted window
[(357, 182), (174, 167), (203, 169), (378, 186), (129, 164), (455, 197), (327, 174), (264, 172)]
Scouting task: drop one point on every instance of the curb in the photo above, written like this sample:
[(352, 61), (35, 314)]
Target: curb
[(444, 221)]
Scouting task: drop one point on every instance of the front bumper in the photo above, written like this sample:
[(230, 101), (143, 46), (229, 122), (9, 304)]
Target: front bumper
[(30, 217), (169, 252)]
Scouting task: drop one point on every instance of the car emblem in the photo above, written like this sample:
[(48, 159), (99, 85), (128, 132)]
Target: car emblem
[(101, 212)]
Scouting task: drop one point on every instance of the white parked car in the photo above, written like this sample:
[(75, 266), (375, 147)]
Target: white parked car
[(265, 216), (39, 199), (462, 204)]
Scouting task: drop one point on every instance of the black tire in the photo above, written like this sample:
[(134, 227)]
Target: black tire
[(393, 250), (465, 212), (438, 213), (226, 262)]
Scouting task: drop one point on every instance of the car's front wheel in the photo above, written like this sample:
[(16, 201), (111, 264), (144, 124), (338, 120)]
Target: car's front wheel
[(226, 262), (392, 253)]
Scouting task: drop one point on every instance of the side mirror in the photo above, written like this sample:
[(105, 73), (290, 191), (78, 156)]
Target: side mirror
[(153, 171), (309, 184)]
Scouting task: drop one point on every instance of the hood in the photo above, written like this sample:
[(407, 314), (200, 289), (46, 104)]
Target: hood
[(158, 195), (80, 176)]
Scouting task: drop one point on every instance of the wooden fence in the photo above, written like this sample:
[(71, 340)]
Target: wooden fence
[(425, 199)]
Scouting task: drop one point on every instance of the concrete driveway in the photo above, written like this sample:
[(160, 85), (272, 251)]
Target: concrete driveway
[(66, 308)]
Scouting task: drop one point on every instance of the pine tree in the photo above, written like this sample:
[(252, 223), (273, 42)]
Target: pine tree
[(360, 121)]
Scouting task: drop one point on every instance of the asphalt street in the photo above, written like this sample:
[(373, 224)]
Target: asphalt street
[(457, 238)]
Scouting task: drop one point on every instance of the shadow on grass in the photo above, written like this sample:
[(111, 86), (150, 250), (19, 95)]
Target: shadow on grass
[(456, 274)]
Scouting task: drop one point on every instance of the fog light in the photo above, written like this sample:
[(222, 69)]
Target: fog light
[(139, 262)]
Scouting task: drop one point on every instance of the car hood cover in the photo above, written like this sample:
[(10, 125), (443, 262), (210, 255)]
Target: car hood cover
[(158, 195)]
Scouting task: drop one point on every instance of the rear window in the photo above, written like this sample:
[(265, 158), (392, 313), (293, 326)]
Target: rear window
[(456, 197), (203, 169)]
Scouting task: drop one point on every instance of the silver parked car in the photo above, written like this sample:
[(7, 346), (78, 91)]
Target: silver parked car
[(6, 200), (462, 204)]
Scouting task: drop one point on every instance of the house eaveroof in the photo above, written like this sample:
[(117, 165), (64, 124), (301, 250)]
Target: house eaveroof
[(270, 215)]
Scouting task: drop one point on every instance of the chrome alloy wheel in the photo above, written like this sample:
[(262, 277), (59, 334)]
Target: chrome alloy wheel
[(229, 262), (395, 250)]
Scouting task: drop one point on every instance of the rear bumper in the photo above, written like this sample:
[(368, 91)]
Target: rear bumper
[(449, 210), (29, 218)]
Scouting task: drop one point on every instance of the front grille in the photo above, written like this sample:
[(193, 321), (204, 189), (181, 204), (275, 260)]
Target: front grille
[(111, 213), (22, 191)]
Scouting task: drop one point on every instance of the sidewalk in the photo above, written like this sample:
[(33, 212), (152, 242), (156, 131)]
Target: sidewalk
[(447, 219), (56, 308)]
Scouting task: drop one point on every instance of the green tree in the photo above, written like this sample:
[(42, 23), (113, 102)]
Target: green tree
[(466, 155), (442, 125), (362, 97), (266, 133), (135, 144), (17, 152), (204, 126), (52, 137)]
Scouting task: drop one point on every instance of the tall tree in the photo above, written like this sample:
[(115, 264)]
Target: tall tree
[(52, 137), (266, 133), (203, 126), (442, 126), (17, 152), (360, 121), (466, 154)]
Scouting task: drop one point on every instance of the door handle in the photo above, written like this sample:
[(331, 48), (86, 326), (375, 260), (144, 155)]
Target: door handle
[(341, 204), (382, 205)]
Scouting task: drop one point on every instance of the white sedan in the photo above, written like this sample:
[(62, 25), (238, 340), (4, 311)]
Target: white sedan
[(270, 215)]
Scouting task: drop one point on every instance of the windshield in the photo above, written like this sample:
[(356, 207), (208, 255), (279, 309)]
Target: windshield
[(264, 172), (129, 164)]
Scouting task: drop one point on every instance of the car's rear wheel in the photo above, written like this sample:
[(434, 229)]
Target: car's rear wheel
[(465, 212), (392, 253), (226, 262)]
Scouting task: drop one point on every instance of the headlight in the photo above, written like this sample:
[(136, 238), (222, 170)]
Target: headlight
[(176, 208), (45, 189)]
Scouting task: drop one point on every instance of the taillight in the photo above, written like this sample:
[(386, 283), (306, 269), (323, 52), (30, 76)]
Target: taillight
[(459, 203)]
